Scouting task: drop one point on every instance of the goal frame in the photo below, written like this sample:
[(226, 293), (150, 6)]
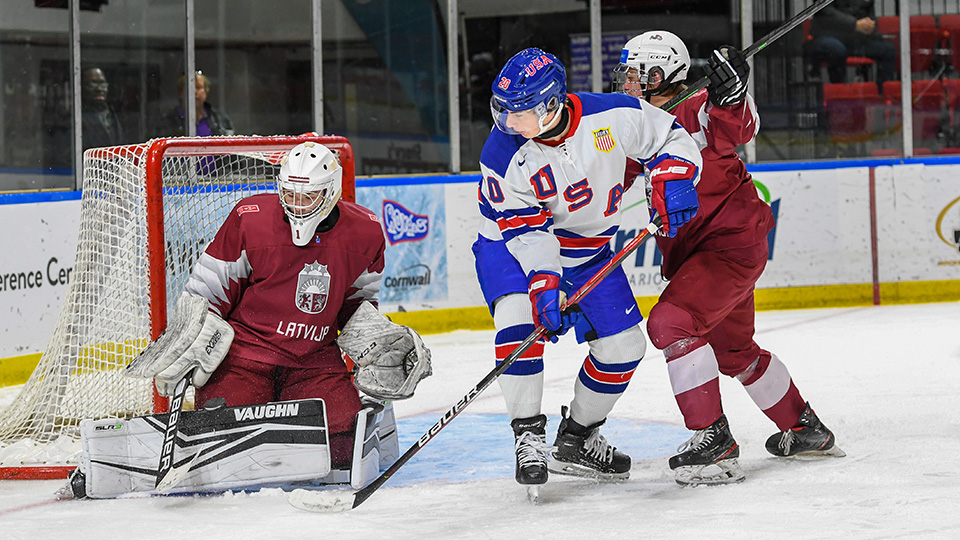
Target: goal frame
[(151, 157)]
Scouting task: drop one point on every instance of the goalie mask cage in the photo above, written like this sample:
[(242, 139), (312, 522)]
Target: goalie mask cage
[(147, 213)]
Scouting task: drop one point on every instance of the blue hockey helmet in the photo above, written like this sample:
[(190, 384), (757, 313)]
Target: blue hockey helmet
[(531, 80)]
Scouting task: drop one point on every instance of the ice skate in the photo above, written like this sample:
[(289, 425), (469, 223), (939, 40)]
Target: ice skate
[(709, 457), (809, 438), (531, 448), (582, 451)]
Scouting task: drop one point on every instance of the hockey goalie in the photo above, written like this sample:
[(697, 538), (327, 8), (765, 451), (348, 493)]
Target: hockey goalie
[(287, 287)]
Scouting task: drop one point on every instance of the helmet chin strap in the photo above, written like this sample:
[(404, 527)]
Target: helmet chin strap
[(564, 118)]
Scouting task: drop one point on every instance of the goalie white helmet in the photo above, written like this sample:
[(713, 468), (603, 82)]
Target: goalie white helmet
[(650, 63), (309, 184)]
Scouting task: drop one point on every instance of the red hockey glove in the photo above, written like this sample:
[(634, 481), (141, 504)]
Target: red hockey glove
[(546, 299), (674, 197)]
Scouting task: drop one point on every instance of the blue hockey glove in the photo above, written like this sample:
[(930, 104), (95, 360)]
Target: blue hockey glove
[(674, 196), (546, 299), (728, 72)]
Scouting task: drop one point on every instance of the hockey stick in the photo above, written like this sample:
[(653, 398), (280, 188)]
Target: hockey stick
[(167, 475), (757, 46), (325, 501)]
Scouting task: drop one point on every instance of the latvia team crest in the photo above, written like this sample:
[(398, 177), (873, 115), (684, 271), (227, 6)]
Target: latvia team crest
[(603, 140), (313, 287)]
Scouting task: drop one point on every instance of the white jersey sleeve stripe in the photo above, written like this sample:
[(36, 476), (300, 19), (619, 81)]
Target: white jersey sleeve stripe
[(211, 277), (367, 285)]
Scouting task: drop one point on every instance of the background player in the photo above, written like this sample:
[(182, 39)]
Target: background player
[(704, 320), (552, 183)]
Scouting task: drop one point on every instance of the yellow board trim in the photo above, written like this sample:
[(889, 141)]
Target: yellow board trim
[(17, 370)]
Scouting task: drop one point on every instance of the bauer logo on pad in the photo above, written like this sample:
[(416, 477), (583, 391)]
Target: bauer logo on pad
[(402, 225)]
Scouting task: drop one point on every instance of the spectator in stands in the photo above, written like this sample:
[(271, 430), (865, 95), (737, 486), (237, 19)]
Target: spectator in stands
[(210, 121), (100, 124), (849, 28)]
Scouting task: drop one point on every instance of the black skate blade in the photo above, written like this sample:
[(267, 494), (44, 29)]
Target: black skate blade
[(572, 469)]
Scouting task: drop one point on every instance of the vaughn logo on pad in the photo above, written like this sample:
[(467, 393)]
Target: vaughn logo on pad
[(260, 412), (402, 225)]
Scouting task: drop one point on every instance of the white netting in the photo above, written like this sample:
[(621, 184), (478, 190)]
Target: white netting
[(106, 317)]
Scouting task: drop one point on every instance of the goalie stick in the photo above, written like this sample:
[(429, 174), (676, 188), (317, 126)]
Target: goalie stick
[(168, 475), (326, 501), (753, 49)]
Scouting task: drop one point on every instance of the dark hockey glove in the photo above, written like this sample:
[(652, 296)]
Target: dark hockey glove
[(728, 72)]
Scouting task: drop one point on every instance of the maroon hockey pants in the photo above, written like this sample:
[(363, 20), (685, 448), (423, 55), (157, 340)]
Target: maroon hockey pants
[(245, 382), (710, 300)]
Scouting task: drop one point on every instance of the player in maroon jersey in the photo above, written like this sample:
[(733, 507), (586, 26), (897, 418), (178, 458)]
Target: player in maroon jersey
[(704, 320)]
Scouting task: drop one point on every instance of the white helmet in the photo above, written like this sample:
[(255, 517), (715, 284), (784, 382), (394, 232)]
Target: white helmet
[(655, 60), (309, 185)]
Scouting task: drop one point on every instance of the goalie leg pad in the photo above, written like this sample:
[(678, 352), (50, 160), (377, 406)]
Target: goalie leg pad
[(239, 447), (375, 443)]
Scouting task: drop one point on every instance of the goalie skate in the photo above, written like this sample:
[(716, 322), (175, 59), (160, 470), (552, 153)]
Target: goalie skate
[(809, 438), (709, 457)]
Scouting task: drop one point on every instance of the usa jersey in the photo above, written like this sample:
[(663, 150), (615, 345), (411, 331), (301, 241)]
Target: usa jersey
[(286, 303), (556, 204)]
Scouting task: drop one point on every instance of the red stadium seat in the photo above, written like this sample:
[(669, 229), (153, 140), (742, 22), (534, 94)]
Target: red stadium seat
[(929, 99), (924, 36), (923, 42), (889, 29), (851, 110)]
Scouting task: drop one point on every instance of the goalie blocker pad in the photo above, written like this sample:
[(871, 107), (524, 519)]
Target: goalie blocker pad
[(195, 338), (270, 445)]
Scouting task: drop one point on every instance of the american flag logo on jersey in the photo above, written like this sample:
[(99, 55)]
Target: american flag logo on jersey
[(313, 287), (603, 140)]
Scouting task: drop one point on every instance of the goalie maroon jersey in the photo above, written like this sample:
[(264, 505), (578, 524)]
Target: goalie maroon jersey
[(286, 303), (731, 213)]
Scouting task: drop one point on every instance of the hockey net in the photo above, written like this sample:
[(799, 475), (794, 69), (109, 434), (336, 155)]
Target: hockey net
[(147, 213)]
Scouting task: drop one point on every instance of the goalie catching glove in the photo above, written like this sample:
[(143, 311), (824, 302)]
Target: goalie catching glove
[(196, 339), (390, 358)]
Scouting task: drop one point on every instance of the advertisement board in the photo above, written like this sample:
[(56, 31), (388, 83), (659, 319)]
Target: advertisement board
[(414, 224), (37, 251)]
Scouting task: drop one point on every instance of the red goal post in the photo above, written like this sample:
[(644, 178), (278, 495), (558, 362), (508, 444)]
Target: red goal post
[(147, 212)]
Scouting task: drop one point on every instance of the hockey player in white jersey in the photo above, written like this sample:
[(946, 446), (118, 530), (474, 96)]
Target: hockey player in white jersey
[(553, 179)]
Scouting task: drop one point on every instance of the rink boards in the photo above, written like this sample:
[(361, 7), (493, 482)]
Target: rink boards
[(848, 233)]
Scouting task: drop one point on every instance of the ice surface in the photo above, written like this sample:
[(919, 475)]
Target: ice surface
[(885, 379)]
